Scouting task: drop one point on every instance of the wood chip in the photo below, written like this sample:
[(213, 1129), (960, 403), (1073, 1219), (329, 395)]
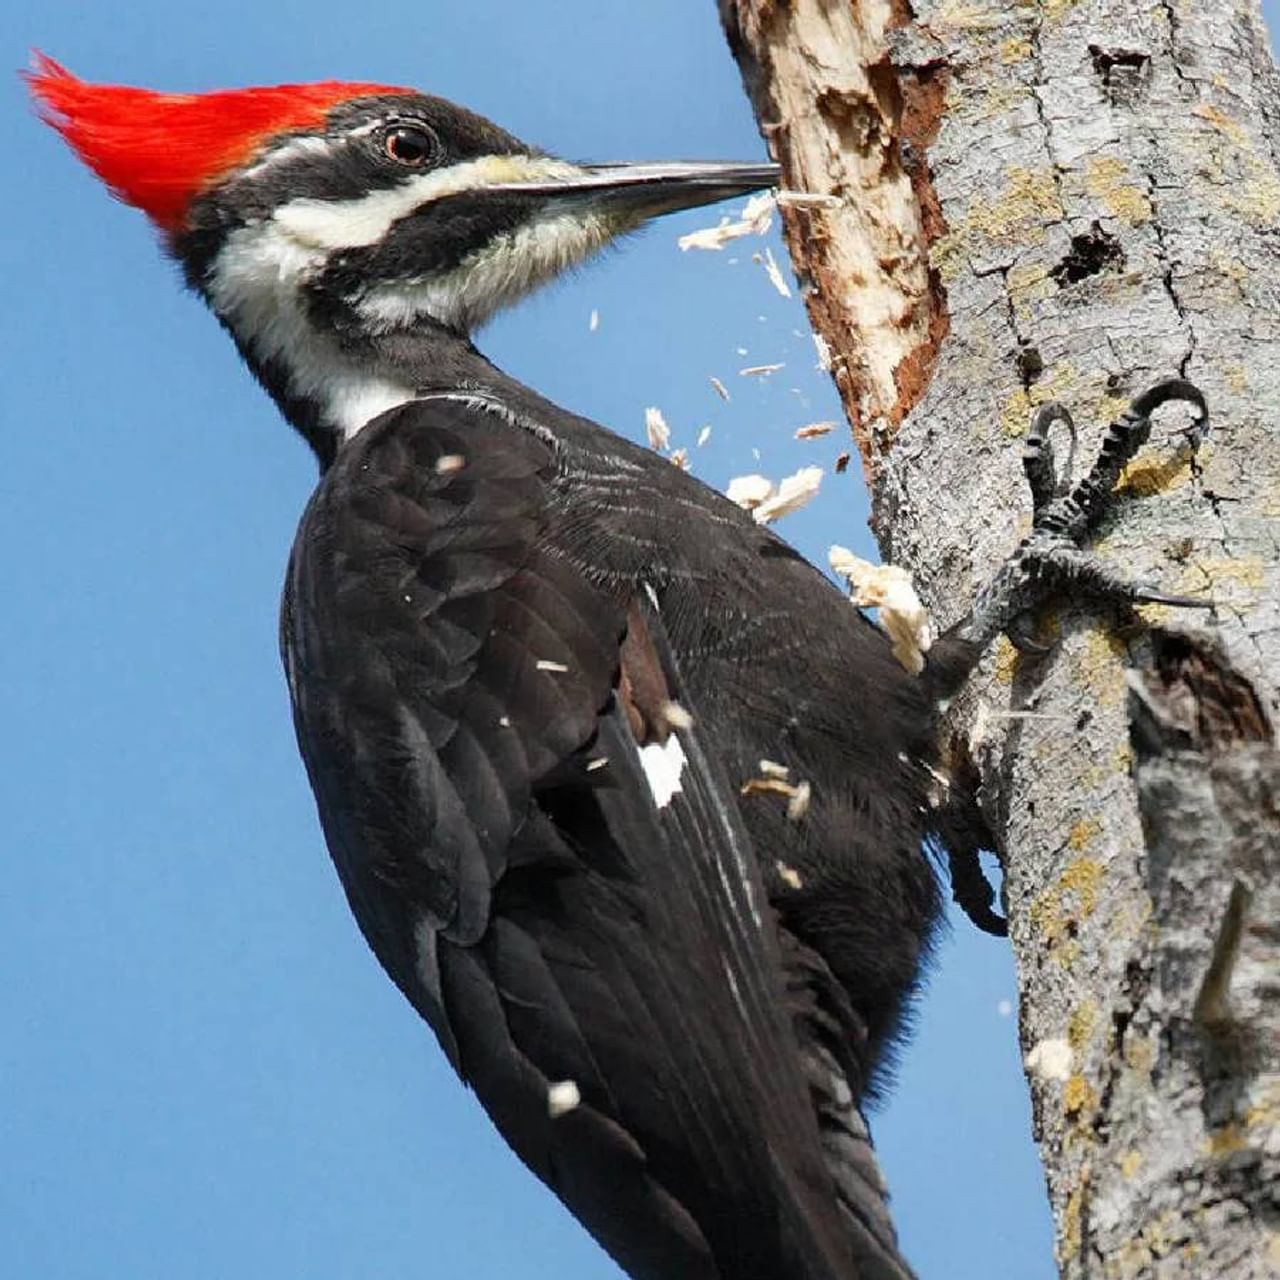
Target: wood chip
[(814, 430), (756, 219), (767, 787), (798, 805), (721, 390), (759, 370), (824, 352), (889, 589), (703, 436), (562, 1097), (594, 323), (680, 457), (807, 199), (598, 762), (842, 463), (448, 463), (749, 491), (772, 769), (775, 274), (656, 429), (793, 492), (789, 876), (546, 664), (676, 716)]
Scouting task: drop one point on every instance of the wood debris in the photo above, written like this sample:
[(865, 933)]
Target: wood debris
[(562, 1097), (594, 323), (798, 795), (597, 762), (774, 273), (889, 589), (842, 463), (798, 805), (824, 352), (755, 220), (546, 664), (772, 769), (703, 436), (793, 492), (656, 429), (676, 716), (789, 876), (448, 463), (759, 370), (749, 491), (807, 199), (721, 390), (680, 458), (814, 430)]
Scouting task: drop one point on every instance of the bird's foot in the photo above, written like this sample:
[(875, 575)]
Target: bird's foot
[(1052, 560)]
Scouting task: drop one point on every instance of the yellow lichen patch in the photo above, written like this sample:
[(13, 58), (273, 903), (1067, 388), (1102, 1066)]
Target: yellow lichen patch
[(1005, 664), (1054, 9), (1255, 196), (1106, 181), (1220, 121), (1016, 414), (1139, 1054), (1083, 834), (1083, 875), (1217, 575), (1015, 49), (1130, 1162), (1101, 668), (1220, 1143), (1236, 377), (1078, 1096), (1029, 196), (1123, 757), (1068, 1246), (1147, 476), (1080, 1026)]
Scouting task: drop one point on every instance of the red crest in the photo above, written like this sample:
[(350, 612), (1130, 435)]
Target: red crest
[(157, 151)]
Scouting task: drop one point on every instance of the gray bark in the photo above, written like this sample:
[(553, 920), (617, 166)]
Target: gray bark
[(1067, 200)]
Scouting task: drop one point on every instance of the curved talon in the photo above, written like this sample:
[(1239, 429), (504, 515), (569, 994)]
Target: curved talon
[(1038, 461), (1148, 595), (1173, 389), (973, 893)]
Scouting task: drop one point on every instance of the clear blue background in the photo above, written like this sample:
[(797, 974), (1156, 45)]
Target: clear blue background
[(202, 1071)]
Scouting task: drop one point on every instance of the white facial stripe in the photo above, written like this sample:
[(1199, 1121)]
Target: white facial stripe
[(354, 224), (508, 267), (256, 285), (663, 763)]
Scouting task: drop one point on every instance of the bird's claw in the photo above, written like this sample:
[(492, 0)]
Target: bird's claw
[(1051, 560)]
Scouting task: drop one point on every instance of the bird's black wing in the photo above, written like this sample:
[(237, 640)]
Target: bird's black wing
[(549, 861)]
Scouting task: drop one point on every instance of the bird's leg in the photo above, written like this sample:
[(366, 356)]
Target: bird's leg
[(1053, 559)]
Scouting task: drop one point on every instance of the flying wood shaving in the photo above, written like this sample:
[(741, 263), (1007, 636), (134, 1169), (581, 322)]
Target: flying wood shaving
[(775, 274), (794, 492), (721, 390), (824, 352), (680, 457), (749, 491), (756, 219), (889, 589), (598, 762), (759, 370), (789, 876), (449, 462), (842, 463), (798, 805), (814, 430), (656, 428), (703, 436), (546, 664), (594, 323), (1051, 1059), (676, 716), (772, 769), (767, 787), (562, 1097)]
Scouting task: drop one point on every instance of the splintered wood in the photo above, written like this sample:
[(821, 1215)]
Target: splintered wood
[(889, 589), (655, 426)]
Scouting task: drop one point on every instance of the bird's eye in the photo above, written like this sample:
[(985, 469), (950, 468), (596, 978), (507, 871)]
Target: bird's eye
[(410, 145)]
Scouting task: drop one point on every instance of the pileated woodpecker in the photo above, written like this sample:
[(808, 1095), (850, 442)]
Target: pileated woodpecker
[(532, 665)]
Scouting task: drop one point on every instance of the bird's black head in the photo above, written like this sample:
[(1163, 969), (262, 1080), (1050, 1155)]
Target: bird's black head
[(319, 219)]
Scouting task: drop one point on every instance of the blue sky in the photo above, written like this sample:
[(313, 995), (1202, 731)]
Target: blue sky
[(202, 1071)]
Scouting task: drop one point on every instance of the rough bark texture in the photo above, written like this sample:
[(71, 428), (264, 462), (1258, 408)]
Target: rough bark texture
[(1068, 199)]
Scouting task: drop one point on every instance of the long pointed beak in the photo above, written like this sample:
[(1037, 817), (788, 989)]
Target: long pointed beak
[(643, 191)]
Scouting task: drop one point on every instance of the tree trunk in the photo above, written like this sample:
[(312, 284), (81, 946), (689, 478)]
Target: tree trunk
[(1068, 200)]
